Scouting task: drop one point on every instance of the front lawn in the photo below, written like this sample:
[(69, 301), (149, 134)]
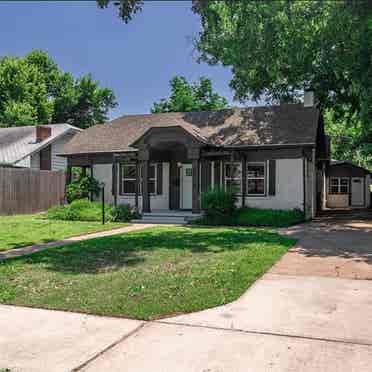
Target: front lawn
[(144, 274), (19, 231)]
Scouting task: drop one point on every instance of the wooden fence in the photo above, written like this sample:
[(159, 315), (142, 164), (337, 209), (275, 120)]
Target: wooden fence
[(25, 191)]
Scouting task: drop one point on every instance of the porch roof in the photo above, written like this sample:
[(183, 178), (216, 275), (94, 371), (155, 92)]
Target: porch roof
[(288, 124)]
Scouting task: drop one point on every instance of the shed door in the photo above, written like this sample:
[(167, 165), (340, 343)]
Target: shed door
[(357, 191)]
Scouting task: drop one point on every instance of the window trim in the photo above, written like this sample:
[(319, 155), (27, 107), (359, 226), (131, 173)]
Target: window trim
[(239, 163), (256, 178), (330, 192), (155, 179), (123, 179)]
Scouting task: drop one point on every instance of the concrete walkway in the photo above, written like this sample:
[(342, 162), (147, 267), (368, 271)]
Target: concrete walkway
[(302, 315), (40, 247)]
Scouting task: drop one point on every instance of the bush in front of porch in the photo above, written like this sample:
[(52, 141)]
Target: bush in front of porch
[(219, 208), (85, 210)]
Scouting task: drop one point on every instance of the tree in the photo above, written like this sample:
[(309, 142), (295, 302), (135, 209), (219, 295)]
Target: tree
[(184, 97), (278, 48), (347, 142), (34, 90), (126, 8)]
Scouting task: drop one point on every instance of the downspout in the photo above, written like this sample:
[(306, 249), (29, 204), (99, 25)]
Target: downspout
[(304, 184), (314, 191)]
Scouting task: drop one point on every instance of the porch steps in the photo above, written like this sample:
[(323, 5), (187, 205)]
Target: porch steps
[(167, 217)]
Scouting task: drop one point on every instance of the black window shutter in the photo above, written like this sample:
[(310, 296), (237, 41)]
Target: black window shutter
[(272, 177), (217, 175), (205, 175), (120, 179), (159, 179)]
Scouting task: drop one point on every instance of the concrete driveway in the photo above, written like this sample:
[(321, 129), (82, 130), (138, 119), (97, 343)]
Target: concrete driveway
[(311, 312)]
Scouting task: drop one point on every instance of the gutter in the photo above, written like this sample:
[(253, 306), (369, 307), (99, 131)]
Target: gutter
[(242, 147)]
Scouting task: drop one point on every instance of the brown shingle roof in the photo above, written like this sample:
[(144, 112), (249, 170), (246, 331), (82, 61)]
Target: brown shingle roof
[(265, 125)]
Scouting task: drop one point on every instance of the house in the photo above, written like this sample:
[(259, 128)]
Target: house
[(348, 186), (270, 156), (35, 147)]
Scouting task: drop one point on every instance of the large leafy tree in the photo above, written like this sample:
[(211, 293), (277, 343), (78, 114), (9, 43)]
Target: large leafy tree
[(278, 48), (34, 90), (185, 96), (275, 49)]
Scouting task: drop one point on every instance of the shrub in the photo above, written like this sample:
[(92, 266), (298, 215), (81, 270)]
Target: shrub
[(255, 217), (268, 217), (122, 213), (78, 210), (217, 203), (82, 188)]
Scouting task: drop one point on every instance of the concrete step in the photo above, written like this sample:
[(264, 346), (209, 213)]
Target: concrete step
[(168, 217), (161, 221)]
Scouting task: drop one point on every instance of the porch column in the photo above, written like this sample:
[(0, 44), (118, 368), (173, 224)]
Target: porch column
[(68, 175), (244, 179), (194, 155), (115, 181), (138, 180), (144, 156)]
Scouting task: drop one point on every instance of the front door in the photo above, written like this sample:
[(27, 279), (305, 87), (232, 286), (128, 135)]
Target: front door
[(186, 186), (357, 191)]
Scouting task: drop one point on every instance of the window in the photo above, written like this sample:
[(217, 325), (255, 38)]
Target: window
[(233, 177), (128, 171), (256, 179), (339, 185)]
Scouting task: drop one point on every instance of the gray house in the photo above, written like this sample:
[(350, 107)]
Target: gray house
[(35, 147), (272, 157)]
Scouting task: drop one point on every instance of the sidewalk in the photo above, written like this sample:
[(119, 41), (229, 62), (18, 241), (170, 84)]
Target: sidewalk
[(40, 247)]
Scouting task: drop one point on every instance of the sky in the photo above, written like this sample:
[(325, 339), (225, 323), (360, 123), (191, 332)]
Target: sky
[(135, 60)]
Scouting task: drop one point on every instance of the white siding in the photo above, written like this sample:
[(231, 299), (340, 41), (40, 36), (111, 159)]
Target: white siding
[(368, 191), (289, 188), (103, 173), (59, 162), (35, 161), (24, 162)]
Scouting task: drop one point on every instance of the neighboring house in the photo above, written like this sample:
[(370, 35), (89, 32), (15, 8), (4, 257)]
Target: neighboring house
[(270, 156), (348, 186), (35, 147)]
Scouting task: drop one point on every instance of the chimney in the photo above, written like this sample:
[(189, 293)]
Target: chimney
[(309, 98), (43, 132)]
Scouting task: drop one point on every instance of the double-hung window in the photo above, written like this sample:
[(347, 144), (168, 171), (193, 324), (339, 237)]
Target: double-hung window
[(339, 185), (233, 177), (128, 171), (256, 179)]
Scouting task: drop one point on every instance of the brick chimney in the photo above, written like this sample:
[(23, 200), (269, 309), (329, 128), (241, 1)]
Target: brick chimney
[(43, 132)]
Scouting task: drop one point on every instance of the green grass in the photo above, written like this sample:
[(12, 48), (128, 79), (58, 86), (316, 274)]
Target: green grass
[(255, 217), (78, 210), (145, 274), (19, 231)]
